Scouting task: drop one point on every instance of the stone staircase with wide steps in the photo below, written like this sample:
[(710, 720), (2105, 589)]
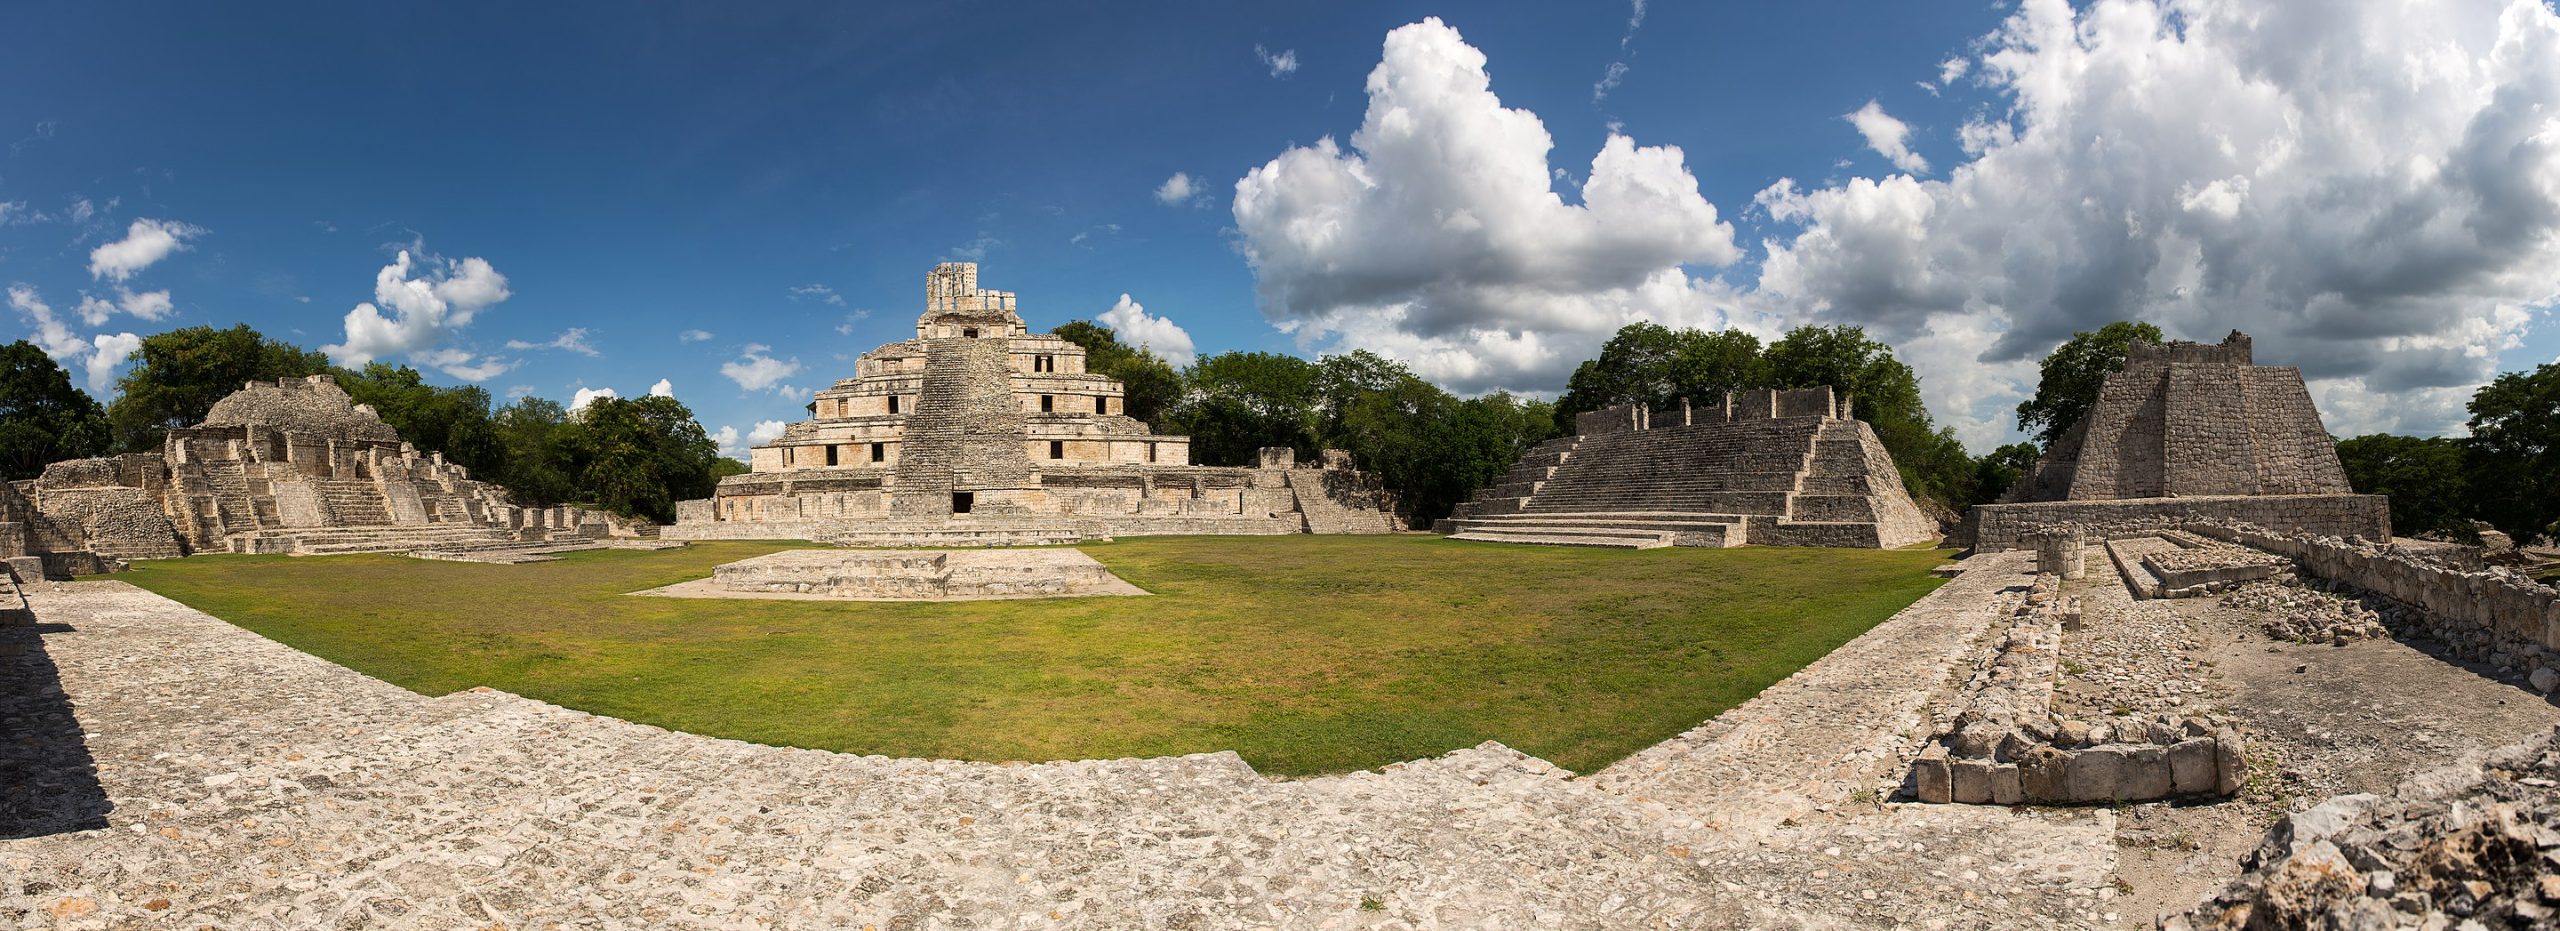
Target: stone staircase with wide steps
[(1798, 481)]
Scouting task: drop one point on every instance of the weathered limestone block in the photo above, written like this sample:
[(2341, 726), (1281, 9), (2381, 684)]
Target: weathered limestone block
[(1931, 779), (2193, 767)]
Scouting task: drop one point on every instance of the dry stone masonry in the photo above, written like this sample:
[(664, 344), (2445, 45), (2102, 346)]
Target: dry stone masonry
[(2189, 432), (2472, 845), (981, 432), (293, 466), (1772, 468), (2013, 743)]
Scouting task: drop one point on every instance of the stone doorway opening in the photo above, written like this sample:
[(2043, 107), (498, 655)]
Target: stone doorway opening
[(962, 501)]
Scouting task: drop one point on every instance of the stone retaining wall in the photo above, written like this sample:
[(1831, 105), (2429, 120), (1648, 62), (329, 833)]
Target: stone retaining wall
[(2495, 600), (2007, 747), (1996, 527)]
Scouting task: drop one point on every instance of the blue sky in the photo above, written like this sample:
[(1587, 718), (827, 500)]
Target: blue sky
[(638, 174)]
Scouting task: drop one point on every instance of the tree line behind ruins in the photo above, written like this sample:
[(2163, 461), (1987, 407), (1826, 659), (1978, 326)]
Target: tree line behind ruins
[(639, 456)]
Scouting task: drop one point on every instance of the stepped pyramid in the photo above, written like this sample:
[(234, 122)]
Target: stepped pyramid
[(1775, 468), (980, 432), (2189, 432)]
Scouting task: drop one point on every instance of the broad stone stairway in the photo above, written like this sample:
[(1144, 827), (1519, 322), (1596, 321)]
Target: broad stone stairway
[(1791, 481), (252, 786)]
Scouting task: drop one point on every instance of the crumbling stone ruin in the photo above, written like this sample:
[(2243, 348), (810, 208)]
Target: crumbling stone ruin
[(293, 466), (2010, 744), (1774, 468), (981, 432), (2474, 845), (2189, 432)]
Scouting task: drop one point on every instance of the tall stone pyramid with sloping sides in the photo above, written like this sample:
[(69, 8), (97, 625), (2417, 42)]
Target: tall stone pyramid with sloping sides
[(1776, 468), (2189, 432)]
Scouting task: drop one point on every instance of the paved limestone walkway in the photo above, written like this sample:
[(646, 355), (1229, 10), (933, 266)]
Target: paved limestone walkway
[(238, 783)]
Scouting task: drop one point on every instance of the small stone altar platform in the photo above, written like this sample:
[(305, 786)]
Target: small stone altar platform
[(907, 575)]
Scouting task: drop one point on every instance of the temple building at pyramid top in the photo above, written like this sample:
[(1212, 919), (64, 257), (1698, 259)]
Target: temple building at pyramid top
[(980, 431)]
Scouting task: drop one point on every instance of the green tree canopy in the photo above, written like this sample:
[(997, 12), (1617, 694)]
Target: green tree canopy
[(454, 421), (1652, 365), (1151, 384), (537, 464), (1994, 473), (2515, 450), (180, 373), (2427, 480), (640, 456), (43, 419), (1235, 403), (2070, 377)]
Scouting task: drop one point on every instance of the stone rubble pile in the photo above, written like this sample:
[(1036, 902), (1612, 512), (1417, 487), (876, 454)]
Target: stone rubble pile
[(2304, 613), (2010, 746), (2473, 845)]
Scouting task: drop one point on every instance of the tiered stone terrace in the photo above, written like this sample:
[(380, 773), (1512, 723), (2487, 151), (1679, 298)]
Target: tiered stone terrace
[(1769, 468), (294, 467), (979, 432)]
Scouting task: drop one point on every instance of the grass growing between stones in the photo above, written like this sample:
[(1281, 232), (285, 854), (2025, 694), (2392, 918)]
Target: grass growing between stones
[(1304, 654)]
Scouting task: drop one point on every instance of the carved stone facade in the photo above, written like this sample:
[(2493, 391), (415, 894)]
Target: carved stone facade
[(981, 431), (293, 466), (1776, 468), (2189, 432)]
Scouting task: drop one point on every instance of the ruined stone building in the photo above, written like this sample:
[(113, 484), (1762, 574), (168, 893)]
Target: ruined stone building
[(293, 466), (1773, 468), (2189, 432), (981, 431)]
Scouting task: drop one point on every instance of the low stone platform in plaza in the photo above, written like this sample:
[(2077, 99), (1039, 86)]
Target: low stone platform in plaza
[(907, 575)]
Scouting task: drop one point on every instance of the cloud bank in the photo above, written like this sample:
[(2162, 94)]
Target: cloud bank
[(2370, 187), (1436, 237), (1136, 327), (428, 306)]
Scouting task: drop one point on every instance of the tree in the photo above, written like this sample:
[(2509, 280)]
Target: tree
[(181, 373), (1235, 403), (1150, 384), (2426, 478), (43, 419), (2515, 450), (453, 421), (536, 463), (638, 457), (1648, 364), (1994, 473), (2070, 377)]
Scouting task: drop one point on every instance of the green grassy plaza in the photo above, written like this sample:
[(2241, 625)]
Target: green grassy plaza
[(1305, 654)]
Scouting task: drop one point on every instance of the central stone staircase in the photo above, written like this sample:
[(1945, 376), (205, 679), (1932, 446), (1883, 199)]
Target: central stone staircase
[(1786, 481)]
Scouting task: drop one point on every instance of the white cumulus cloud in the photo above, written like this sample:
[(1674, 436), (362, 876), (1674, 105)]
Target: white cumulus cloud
[(766, 431), (426, 306), (145, 243), (1136, 327), (148, 305), (1177, 190), (98, 357), (1437, 237), (755, 370), (1889, 137), (2370, 187), (663, 389), (586, 396)]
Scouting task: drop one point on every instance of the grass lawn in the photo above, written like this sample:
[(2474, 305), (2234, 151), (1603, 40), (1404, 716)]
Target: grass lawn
[(1306, 654)]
